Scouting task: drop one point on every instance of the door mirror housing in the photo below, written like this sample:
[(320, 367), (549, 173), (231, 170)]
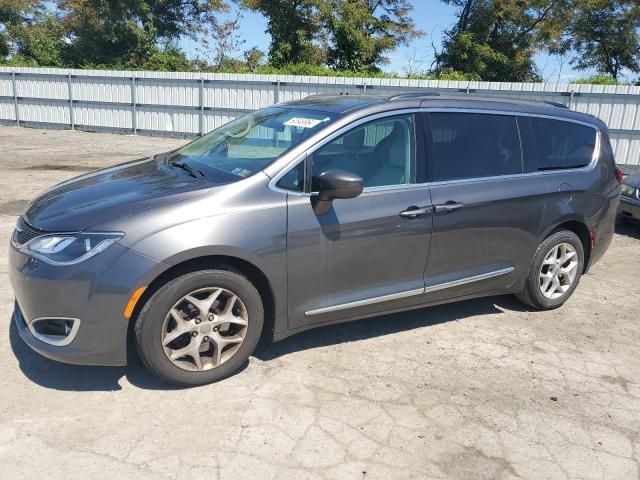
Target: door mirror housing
[(334, 184)]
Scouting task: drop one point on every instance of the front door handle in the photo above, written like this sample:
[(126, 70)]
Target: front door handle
[(413, 212), (448, 207)]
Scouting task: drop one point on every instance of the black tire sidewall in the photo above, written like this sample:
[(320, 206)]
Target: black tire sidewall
[(534, 293), (151, 319)]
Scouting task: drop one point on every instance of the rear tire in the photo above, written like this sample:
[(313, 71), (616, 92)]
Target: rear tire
[(200, 327), (555, 271)]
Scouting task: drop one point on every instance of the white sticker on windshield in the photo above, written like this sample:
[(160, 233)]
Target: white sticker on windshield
[(302, 122)]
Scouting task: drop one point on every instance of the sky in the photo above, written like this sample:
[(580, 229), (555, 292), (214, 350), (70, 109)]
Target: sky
[(430, 16)]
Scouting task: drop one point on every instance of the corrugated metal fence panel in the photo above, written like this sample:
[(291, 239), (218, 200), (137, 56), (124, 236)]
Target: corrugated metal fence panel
[(7, 110), (6, 84), (105, 116), (102, 89), (44, 111), (42, 86), (195, 103)]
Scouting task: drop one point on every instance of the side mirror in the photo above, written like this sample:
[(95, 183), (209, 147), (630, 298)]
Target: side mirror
[(334, 184)]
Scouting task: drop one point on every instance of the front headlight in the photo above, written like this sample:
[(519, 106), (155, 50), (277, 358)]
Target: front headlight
[(629, 191), (69, 249)]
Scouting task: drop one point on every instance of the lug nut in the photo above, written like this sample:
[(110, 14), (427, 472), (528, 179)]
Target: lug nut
[(194, 334), (206, 339), (210, 317), (198, 320), (215, 329)]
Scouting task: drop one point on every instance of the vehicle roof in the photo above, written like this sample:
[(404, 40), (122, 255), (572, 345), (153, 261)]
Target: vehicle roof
[(366, 104)]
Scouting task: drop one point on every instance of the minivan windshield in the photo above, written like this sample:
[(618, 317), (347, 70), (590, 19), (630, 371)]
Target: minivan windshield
[(248, 144)]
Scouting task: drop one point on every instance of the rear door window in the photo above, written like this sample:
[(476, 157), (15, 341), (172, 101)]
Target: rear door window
[(561, 144), (474, 145)]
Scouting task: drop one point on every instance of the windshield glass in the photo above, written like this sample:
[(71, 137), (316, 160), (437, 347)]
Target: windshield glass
[(250, 143)]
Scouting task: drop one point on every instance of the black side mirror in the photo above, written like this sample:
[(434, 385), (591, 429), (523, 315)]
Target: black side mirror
[(334, 184)]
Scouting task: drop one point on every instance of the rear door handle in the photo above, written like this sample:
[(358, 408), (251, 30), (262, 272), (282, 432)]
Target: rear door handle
[(448, 207), (413, 212)]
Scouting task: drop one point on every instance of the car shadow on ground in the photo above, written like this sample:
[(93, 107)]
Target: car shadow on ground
[(387, 325), (59, 376), (628, 229)]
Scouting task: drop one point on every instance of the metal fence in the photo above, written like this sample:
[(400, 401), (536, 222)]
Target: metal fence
[(191, 104)]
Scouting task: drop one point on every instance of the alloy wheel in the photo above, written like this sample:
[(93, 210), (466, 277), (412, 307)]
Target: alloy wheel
[(204, 329), (558, 271)]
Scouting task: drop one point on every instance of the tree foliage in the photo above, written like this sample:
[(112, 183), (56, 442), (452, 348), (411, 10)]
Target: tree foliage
[(493, 40), (605, 36), (294, 27), (497, 39), (110, 31), (363, 32)]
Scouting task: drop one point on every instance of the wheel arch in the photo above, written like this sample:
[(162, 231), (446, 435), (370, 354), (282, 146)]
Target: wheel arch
[(579, 227), (214, 261)]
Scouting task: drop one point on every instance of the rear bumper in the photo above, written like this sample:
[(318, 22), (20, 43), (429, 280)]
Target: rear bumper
[(95, 292)]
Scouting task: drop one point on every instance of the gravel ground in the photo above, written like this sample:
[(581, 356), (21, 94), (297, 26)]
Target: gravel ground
[(481, 389)]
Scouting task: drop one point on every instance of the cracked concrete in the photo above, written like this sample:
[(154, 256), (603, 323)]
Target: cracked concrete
[(476, 390)]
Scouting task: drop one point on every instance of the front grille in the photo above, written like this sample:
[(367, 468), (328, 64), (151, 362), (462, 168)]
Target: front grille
[(25, 232)]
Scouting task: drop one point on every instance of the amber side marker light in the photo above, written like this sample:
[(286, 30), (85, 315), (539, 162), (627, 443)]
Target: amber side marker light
[(128, 311)]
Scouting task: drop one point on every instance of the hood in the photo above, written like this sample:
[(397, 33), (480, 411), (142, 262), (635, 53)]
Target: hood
[(633, 180), (107, 194)]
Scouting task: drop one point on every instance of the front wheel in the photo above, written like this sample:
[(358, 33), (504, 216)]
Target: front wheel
[(555, 271), (200, 327)]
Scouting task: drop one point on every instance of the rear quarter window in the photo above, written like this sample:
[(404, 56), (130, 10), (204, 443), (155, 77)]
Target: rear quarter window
[(561, 144), (474, 145)]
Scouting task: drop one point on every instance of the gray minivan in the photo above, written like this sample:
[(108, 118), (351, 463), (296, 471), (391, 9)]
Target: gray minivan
[(318, 211)]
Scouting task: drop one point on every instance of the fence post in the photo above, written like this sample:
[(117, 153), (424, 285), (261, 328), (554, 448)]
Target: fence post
[(201, 106), (71, 114), (134, 110), (571, 99), (15, 97), (276, 94)]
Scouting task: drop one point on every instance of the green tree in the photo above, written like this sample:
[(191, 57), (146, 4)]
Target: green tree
[(111, 31), (38, 42), (294, 27), (605, 36), (168, 59), (14, 13), (496, 40), (362, 32), (253, 58)]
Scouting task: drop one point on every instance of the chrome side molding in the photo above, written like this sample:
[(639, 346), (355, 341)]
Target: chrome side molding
[(464, 281), (368, 301), (410, 293)]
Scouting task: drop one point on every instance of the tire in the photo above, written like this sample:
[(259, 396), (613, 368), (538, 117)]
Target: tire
[(167, 313), (533, 295)]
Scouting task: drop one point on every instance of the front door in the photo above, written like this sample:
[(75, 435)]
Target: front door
[(367, 254), (487, 200)]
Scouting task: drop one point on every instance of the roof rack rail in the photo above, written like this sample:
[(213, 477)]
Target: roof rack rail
[(556, 104), (327, 94), (418, 94)]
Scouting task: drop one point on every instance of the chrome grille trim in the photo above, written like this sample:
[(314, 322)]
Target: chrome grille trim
[(25, 232)]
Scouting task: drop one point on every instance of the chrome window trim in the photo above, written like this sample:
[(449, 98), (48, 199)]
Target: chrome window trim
[(590, 166), (410, 293), (332, 136), (294, 163)]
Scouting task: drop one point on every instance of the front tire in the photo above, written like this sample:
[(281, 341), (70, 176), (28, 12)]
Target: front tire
[(200, 327), (555, 271)]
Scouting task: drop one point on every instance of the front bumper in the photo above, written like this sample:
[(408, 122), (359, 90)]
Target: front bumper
[(629, 208), (96, 292)]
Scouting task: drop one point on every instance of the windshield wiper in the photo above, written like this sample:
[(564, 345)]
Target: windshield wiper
[(188, 169)]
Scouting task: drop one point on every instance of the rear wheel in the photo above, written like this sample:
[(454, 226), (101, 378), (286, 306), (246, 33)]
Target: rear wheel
[(200, 328), (555, 271)]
